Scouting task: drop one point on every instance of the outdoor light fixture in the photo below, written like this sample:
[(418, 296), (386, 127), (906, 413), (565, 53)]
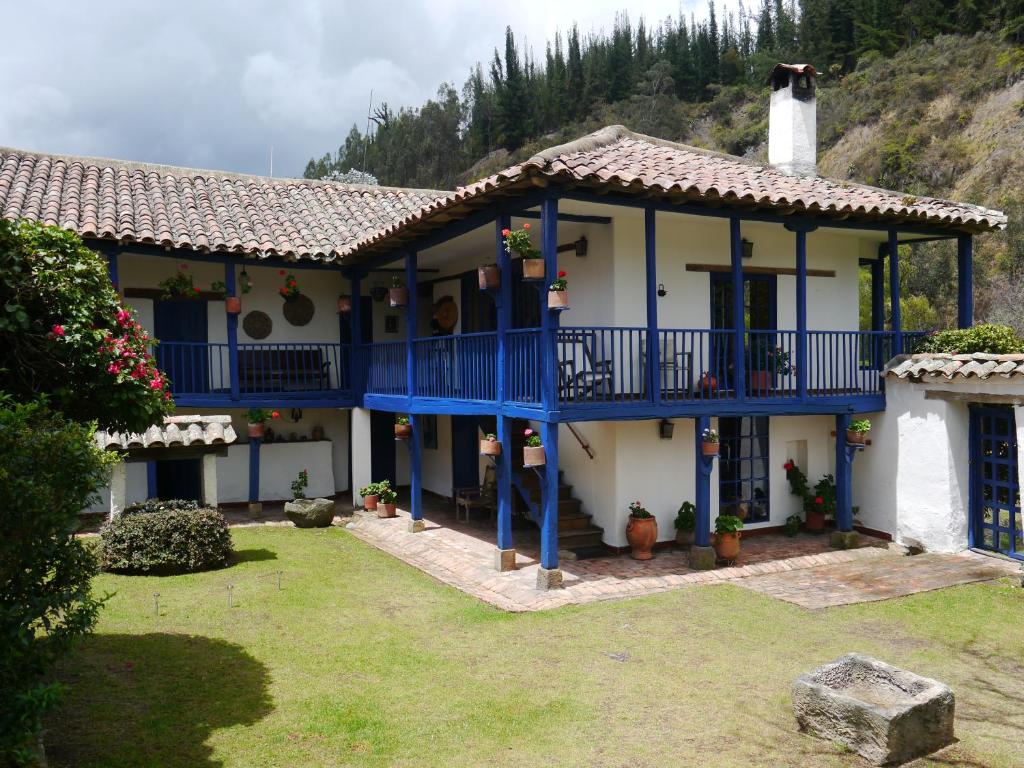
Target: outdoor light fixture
[(344, 304), (581, 246), (244, 281), (748, 248), (378, 292), (665, 429), (661, 290)]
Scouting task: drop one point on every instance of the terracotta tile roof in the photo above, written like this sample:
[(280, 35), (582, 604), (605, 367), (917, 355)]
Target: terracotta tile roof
[(203, 210), (176, 430), (935, 366), (615, 159)]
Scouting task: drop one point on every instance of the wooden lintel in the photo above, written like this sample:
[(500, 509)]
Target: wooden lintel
[(974, 397), (157, 294), (759, 270)]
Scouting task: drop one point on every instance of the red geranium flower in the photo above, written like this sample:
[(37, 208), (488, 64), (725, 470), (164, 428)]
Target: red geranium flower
[(275, 415), (526, 225), (561, 273), (280, 272), (506, 232), (57, 330), (818, 500), (788, 466), (196, 289)]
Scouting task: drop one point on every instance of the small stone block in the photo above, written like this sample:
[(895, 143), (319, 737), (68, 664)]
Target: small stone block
[(415, 526), (702, 558), (549, 578), (884, 714), (504, 560), (255, 509), (844, 540)]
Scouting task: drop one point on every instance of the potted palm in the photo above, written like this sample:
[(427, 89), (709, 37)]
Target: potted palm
[(387, 506), (727, 537), (403, 429), (558, 295), (257, 419), (533, 450), (517, 241), (641, 532), (398, 294), (489, 445), (709, 442), (489, 277), (686, 524), (857, 433)]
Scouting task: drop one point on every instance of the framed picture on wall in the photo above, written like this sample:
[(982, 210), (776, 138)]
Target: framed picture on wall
[(390, 323), (430, 431)]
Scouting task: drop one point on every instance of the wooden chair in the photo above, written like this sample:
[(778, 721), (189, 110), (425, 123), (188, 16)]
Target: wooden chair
[(484, 496), (583, 377)]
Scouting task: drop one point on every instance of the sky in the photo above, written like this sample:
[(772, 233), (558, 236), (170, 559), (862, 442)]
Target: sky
[(218, 84)]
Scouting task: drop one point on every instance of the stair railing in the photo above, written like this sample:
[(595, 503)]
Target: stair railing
[(580, 439)]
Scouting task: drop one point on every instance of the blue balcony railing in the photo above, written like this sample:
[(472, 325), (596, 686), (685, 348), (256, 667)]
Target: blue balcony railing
[(386, 368), (462, 367)]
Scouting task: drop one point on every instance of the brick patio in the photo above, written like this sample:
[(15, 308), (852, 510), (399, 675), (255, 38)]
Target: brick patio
[(801, 570)]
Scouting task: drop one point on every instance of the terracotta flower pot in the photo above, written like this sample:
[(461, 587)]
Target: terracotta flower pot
[(386, 510), (533, 456), (370, 502), (856, 438), (533, 269), (641, 533), (558, 299), (815, 522), (232, 305), (344, 304), (399, 297), (490, 448), (709, 449), (727, 545), (684, 538), (489, 278), (708, 383), (256, 429), (760, 382), (403, 431)]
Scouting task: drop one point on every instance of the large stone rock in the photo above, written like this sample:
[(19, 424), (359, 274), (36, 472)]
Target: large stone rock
[(883, 713), (310, 513)]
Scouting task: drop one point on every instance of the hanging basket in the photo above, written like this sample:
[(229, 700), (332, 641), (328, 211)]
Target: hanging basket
[(533, 269), (709, 449), (856, 438), (403, 431), (533, 456), (558, 299), (399, 297), (256, 429), (233, 305), (490, 448)]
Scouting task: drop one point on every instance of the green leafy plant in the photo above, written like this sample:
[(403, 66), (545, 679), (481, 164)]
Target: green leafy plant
[(180, 285), (637, 510), (532, 439), (375, 489), (219, 288), (261, 415), (709, 435), (986, 338), (387, 494), (559, 284), (290, 289), (517, 241), (686, 517), (861, 426), (166, 542), (728, 524), (491, 437), (792, 525), (50, 470), (766, 355), (161, 505), (299, 485), (402, 421)]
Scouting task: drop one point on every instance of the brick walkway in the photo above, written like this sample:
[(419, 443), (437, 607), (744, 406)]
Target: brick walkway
[(801, 570)]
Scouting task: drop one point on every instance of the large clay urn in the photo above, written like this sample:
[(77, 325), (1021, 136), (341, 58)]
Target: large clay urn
[(727, 545), (642, 533)]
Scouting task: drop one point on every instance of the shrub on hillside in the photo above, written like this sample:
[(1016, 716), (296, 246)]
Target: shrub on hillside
[(50, 469), (165, 538), (990, 339)]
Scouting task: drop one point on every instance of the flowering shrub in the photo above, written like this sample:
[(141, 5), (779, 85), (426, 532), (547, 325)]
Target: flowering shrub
[(64, 333), (290, 289), (517, 241), (560, 284), (637, 510), (821, 498), (532, 439), (988, 338)]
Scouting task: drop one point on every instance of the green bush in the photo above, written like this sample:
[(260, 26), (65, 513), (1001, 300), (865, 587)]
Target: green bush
[(987, 338), (172, 538), (161, 505), (50, 469)]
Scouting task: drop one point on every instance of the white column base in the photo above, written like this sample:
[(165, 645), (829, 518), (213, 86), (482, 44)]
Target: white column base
[(118, 489), (210, 480)]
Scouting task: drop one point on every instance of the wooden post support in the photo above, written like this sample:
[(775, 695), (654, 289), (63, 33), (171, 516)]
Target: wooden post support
[(965, 280), (878, 311), (503, 304), (704, 465), (653, 361), (549, 498), (801, 314), (410, 324), (151, 484), (355, 355), (894, 293), (739, 322), (232, 330), (112, 269), (254, 469), (844, 475), (416, 472), (549, 319), (505, 558)]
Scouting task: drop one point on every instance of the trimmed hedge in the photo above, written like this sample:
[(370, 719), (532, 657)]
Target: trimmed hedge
[(987, 338), (162, 538)]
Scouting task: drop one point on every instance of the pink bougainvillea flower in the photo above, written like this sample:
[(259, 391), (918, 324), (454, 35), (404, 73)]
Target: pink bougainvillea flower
[(818, 500), (57, 330)]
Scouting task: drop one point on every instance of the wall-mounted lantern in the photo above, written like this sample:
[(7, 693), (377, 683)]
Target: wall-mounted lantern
[(665, 429), (581, 246), (344, 304), (748, 248), (661, 290), (244, 281)]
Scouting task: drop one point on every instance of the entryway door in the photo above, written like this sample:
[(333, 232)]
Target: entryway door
[(994, 489), (183, 323)]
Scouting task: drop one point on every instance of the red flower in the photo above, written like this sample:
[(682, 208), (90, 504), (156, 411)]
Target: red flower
[(184, 266), (282, 290), (561, 273), (788, 466), (196, 289), (275, 415), (506, 232), (818, 500), (280, 272), (527, 432), (526, 225), (57, 330)]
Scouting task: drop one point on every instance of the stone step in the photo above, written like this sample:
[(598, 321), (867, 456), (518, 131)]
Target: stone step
[(573, 521), (579, 538), (564, 492)]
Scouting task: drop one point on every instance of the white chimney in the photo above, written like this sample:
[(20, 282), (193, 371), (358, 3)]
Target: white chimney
[(792, 120)]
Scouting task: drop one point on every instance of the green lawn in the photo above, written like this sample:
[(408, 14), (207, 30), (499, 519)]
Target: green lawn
[(361, 660)]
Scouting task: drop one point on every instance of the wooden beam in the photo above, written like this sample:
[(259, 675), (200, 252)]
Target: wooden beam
[(985, 398), (157, 293), (759, 270)]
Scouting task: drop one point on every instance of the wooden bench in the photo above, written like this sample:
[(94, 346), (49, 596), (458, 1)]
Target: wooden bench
[(283, 370)]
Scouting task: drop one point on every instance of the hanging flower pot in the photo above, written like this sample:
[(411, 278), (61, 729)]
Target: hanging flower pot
[(489, 277), (399, 296), (290, 290), (558, 293), (232, 305), (256, 430), (641, 532), (533, 269), (857, 434), (257, 418), (403, 429), (709, 442), (533, 450), (489, 446), (344, 305)]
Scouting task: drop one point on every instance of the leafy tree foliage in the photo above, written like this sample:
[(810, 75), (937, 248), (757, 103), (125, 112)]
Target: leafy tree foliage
[(64, 333)]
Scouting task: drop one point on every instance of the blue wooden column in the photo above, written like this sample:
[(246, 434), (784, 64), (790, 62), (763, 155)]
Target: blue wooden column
[(739, 322), (549, 497), (704, 465), (965, 280), (416, 472), (151, 489), (894, 293), (232, 328), (549, 319), (801, 314), (410, 323), (653, 361), (505, 557), (878, 310), (254, 469), (844, 475), (112, 269), (355, 355)]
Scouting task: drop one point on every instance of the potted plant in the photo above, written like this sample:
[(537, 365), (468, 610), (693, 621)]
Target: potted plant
[(709, 442), (489, 445), (767, 360), (403, 429), (641, 532), (179, 285), (686, 524), (232, 305), (792, 525), (489, 277), (290, 290), (517, 241), (371, 495), (857, 434), (727, 537), (708, 384), (388, 497), (398, 294), (299, 485), (558, 295), (819, 503), (344, 304), (257, 420), (533, 450)]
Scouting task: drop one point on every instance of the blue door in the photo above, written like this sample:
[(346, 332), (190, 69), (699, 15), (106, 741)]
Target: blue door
[(465, 452), (759, 305), (994, 488), (183, 354)]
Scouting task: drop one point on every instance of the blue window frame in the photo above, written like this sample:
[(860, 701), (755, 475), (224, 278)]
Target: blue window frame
[(994, 490), (743, 488)]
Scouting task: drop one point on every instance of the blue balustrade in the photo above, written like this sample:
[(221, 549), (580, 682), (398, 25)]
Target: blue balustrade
[(524, 366), (386, 368), (460, 367)]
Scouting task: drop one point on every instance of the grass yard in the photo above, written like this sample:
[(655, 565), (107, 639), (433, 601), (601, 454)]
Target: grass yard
[(362, 660)]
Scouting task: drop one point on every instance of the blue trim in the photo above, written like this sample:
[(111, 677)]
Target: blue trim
[(232, 330), (549, 320), (358, 350), (217, 257), (738, 322), (974, 438), (550, 483), (965, 280), (844, 474), (878, 309), (801, 315), (703, 466), (112, 268), (994, 483), (503, 465), (653, 338), (416, 467), (894, 292), (572, 218), (296, 400), (151, 489), (254, 469)]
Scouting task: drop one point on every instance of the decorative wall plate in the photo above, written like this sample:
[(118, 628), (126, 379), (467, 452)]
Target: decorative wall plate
[(446, 313), (299, 311), (257, 325)]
